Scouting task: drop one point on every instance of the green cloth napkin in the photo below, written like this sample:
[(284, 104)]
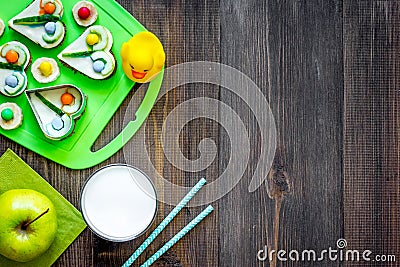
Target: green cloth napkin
[(14, 174)]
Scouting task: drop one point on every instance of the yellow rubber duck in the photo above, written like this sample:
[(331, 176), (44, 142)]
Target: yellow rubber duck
[(143, 57)]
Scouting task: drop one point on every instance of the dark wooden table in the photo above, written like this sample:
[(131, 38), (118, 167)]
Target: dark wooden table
[(331, 72)]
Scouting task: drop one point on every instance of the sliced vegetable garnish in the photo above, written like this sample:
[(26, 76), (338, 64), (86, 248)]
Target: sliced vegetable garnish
[(50, 105), (12, 89), (14, 54), (10, 66), (78, 54), (37, 19), (58, 33)]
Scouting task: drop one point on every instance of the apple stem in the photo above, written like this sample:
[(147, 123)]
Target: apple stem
[(25, 225)]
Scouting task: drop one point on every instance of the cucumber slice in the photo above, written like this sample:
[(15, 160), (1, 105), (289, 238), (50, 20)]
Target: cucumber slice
[(103, 37), (22, 58), (77, 54), (50, 105), (10, 66), (109, 62), (37, 19), (57, 34), (20, 86)]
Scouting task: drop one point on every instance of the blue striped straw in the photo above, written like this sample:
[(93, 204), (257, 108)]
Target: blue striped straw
[(165, 222), (178, 236)]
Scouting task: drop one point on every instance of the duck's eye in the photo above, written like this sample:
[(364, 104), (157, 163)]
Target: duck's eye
[(146, 70), (132, 66)]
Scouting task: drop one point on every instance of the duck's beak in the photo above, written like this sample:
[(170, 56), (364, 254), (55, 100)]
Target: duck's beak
[(138, 75)]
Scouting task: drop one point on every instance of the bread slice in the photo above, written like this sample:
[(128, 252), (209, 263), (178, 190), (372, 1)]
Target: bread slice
[(32, 20), (81, 57)]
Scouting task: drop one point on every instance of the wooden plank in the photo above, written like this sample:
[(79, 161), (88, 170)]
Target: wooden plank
[(292, 50), (189, 31), (371, 136)]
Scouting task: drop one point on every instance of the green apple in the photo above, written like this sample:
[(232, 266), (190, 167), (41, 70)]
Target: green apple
[(28, 224)]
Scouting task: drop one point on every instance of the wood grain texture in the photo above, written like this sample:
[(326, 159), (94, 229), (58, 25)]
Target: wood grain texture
[(330, 71), (181, 45), (371, 154), (292, 50)]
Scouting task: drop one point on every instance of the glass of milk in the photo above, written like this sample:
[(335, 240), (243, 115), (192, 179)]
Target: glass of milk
[(118, 202)]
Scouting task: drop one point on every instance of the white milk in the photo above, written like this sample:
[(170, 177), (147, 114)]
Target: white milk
[(118, 202)]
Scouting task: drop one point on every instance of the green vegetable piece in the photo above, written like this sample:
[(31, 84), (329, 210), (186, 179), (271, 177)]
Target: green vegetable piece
[(10, 66), (50, 105), (22, 58), (57, 34), (103, 37), (77, 54), (37, 19), (109, 63), (20, 86)]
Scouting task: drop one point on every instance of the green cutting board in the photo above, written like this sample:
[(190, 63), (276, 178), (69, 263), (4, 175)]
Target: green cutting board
[(104, 97)]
